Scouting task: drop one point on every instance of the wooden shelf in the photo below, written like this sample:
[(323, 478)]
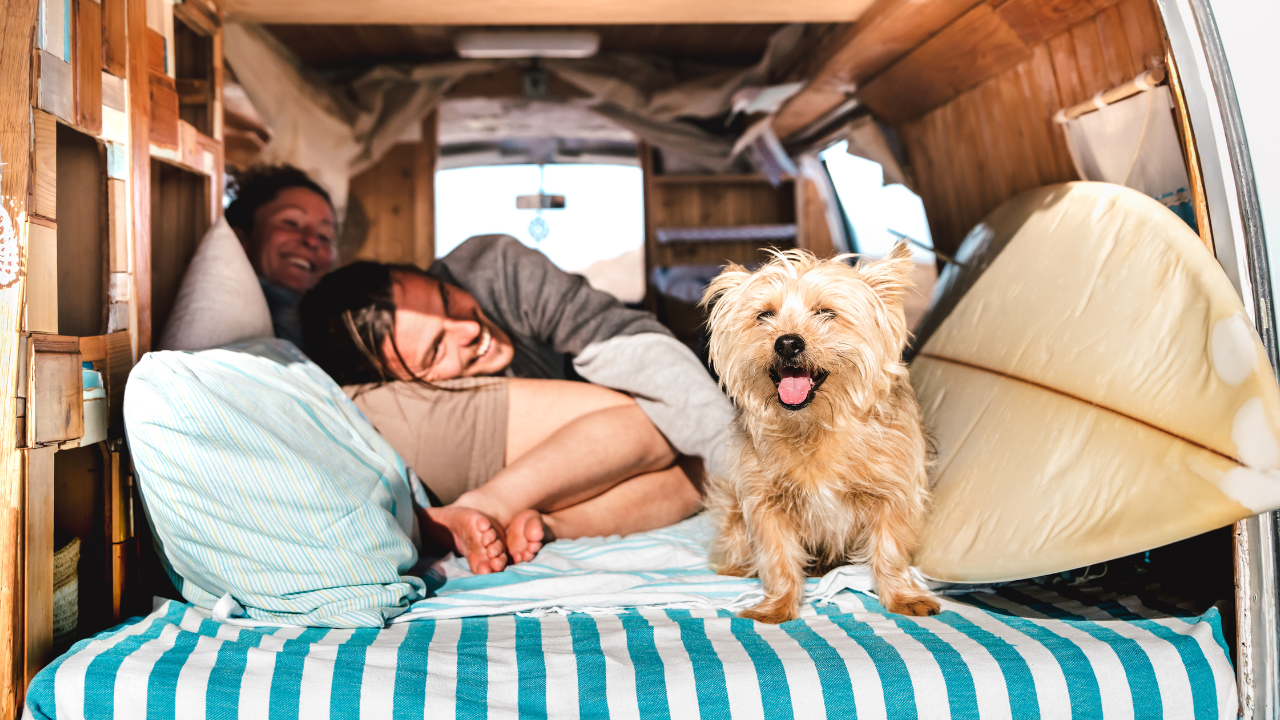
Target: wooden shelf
[(712, 180), (196, 151)]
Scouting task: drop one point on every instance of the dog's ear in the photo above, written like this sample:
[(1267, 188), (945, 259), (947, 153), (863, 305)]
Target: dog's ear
[(890, 276), (728, 279)]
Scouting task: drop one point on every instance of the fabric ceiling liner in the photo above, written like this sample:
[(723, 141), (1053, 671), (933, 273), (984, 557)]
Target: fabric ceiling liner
[(334, 130)]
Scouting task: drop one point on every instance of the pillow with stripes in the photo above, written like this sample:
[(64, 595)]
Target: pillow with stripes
[(263, 482)]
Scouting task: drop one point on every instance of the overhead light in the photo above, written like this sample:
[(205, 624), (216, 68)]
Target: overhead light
[(491, 44)]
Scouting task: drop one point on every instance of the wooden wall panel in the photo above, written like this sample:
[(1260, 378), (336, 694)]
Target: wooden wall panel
[(976, 46), (812, 231), (44, 166), (999, 139), (1037, 20), (140, 169), (856, 53), (16, 23), (113, 37), (88, 64), (38, 610), (397, 197)]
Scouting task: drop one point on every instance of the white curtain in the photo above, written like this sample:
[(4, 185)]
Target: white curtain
[(333, 131), (1134, 143)]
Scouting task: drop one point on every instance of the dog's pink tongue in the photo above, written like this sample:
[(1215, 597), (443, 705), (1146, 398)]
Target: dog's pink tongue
[(794, 386)]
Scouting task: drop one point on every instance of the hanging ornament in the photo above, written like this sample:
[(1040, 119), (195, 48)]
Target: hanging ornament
[(538, 228)]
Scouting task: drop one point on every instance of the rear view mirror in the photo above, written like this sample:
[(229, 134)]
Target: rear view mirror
[(541, 201)]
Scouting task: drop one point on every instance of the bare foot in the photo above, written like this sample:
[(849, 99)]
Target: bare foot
[(526, 534), (471, 534)]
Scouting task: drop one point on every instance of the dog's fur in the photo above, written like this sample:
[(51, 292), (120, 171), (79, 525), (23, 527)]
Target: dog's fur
[(840, 478)]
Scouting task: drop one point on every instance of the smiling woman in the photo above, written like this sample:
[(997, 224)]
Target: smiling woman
[(286, 223)]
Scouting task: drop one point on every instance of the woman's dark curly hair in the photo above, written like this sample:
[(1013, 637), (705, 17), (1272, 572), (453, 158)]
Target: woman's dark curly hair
[(260, 185), (347, 320)]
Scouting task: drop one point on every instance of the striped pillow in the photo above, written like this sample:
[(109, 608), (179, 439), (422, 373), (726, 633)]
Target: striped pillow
[(263, 481)]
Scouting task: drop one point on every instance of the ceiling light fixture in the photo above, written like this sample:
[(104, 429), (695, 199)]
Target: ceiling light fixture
[(492, 44)]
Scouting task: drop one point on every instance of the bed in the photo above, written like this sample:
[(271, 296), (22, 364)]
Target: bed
[(1021, 650)]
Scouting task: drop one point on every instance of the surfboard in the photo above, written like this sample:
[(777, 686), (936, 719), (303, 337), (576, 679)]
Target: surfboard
[(1093, 388)]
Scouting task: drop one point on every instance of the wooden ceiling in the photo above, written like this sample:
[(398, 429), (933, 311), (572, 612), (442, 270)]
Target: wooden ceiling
[(542, 12), (332, 46)]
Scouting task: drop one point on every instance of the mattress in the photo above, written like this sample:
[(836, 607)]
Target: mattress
[(1023, 650)]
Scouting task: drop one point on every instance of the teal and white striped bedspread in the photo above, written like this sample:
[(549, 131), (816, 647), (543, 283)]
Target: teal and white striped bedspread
[(1021, 652)]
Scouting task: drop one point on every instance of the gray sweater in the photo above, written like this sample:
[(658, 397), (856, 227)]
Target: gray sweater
[(550, 314)]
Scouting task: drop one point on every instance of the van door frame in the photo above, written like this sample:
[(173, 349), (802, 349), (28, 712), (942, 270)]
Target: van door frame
[(1240, 245)]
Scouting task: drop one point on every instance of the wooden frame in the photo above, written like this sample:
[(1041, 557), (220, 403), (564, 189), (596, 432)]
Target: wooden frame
[(61, 81)]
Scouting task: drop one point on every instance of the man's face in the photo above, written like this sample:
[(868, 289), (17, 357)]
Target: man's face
[(292, 244), (441, 332)]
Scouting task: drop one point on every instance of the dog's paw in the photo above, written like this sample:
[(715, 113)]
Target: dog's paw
[(771, 614), (916, 606)]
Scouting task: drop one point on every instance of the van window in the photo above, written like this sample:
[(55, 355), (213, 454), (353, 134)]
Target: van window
[(873, 210), (599, 233)]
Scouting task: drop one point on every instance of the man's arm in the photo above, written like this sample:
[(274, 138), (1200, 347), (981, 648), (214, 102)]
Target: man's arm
[(527, 295), (612, 345)]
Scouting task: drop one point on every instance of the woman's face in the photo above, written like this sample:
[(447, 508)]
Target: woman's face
[(292, 244), (441, 332)]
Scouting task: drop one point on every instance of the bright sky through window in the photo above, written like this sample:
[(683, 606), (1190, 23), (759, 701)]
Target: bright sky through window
[(874, 208), (602, 224)]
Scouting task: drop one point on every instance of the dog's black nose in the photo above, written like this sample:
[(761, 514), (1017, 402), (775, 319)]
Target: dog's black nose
[(788, 346)]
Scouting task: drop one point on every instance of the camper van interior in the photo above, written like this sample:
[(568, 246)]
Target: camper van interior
[(1093, 566)]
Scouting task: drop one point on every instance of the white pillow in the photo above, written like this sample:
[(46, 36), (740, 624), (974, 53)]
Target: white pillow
[(220, 300)]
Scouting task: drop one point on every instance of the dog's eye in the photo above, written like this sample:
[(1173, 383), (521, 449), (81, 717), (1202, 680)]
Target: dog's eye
[(765, 315), (825, 313)]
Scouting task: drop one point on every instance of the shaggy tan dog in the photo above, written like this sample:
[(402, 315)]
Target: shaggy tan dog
[(830, 467)]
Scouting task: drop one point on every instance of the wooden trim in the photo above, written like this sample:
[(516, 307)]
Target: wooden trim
[(215, 110), (1182, 116), (44, 165), (38, 567), (645, 153), (886, 32), (117, 226), (196, 152), (198, 17), (426, 154), (140, 170), (977, 46), (42, 278), (87, 64), (16, 89), (709, 179), (114, 47)]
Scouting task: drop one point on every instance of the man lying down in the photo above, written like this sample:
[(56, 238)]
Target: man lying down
[(462, 369)]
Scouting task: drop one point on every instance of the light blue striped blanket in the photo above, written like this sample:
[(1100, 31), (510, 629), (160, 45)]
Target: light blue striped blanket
[(1024, 651)]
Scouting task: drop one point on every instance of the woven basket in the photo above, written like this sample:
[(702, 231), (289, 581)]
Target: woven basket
[(66, 587)]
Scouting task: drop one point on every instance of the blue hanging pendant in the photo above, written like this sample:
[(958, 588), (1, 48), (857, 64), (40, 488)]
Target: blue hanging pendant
[(539, 229)]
